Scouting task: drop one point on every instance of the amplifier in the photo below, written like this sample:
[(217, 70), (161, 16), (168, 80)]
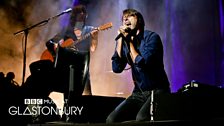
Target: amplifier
[(196, 88), (194, 101)]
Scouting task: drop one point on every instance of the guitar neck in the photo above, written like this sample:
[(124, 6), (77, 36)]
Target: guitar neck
[(72, 43), (83, 37)]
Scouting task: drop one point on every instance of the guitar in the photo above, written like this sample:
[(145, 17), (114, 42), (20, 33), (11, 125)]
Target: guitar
[(70, 43)]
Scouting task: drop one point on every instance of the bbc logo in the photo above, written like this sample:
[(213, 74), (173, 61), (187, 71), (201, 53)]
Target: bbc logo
[(33, 101)]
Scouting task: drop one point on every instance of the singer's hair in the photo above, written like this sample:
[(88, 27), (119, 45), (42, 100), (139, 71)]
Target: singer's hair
[(77, 9), (140, 19)]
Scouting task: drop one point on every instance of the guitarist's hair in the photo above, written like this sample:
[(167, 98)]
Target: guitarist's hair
[(77, 9)]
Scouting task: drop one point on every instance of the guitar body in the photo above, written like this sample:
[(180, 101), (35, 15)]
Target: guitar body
[(46, 55), (67, 43)]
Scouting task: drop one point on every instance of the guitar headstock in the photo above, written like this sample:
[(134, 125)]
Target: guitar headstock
[(105, 26)]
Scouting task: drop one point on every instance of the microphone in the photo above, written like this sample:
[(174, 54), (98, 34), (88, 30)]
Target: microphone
[(63, 12), (128, 30), (67, 10)]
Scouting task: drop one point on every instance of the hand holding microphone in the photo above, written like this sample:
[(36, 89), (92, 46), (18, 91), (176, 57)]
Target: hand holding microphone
[(123, 32)]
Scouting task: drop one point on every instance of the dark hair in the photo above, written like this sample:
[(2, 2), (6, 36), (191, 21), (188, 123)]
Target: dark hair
[(77, 9), (10, 75), (140, 19)]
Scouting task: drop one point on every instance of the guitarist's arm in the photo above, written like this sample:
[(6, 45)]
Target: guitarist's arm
[(94, 40), (51, 46), (50, 43)]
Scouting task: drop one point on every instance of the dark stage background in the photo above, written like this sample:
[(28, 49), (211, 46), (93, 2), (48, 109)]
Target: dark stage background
[(192, 32)]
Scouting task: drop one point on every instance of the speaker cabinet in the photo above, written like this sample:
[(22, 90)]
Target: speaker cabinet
[(95, 109)]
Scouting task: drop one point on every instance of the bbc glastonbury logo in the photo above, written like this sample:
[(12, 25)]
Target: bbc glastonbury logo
[(34, 101), (38, 107)]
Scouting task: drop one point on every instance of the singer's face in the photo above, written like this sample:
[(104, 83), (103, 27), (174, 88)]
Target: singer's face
[(130, 21)]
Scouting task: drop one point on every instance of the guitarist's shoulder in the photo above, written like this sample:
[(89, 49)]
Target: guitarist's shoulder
[(89, 27)]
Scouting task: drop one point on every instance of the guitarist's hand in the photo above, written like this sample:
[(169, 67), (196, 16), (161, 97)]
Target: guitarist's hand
[(94, 32), (55, 46), (59, 43), (94, 41)]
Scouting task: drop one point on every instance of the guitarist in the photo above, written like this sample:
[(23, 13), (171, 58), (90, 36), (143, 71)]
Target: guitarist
[(72, 63)]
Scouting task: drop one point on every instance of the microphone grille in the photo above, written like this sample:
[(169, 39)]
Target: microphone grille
[(127, 30)]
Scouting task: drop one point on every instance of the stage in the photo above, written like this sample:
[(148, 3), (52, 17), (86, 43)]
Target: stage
[(144, 123), (171, 110)]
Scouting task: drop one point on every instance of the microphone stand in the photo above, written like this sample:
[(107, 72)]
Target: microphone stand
[(26, 32)]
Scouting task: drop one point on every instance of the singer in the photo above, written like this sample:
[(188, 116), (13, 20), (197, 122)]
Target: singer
[(143, 51), (72, 62)]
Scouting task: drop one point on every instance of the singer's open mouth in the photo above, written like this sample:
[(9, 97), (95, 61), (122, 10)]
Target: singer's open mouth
[(127, 23)]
